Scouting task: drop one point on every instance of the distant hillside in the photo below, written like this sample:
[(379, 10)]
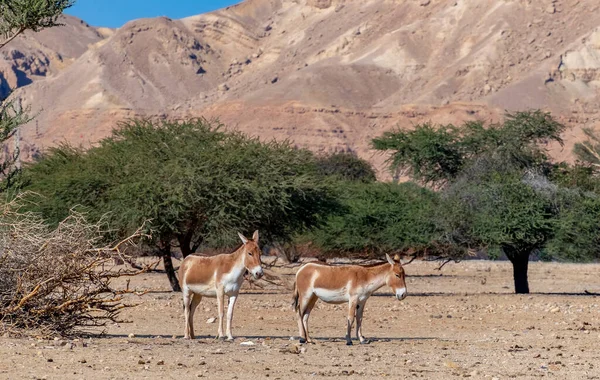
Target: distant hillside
[(327, 74)]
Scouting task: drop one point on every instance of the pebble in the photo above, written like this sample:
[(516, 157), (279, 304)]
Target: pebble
[(132, 335), (555, 310), (290, 349), (211, 320), (247, 343), (160, 362)]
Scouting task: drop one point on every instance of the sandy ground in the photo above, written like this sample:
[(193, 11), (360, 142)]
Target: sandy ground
[(460, 322)]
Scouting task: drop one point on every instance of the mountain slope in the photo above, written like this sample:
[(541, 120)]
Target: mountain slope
[(34, 56), (332, 74)]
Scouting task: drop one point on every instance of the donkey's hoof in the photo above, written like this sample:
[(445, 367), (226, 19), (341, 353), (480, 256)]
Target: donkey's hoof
[(229, 339), (348, 343), (365, 341), (302, 340)]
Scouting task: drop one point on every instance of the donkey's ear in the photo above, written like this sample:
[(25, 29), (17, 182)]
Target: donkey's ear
[(255, 236), (389, 259), (397, 258), (244, 240)]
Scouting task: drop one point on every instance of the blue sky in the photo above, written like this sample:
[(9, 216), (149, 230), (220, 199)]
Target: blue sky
[(115, 13)]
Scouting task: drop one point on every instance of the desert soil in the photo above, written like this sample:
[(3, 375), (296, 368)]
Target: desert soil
[(460, 322)]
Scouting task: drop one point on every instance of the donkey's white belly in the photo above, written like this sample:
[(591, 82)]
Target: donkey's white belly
[(332, 295), (205, 290)]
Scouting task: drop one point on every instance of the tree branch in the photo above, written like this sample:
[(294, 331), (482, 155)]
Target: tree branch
[(5, 42)]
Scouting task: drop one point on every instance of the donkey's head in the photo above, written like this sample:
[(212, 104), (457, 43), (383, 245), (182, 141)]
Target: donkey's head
[(395, 279), (251, 255)]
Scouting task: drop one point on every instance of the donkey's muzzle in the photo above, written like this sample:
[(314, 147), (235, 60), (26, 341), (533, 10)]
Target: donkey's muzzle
[(258, 273), (401, 294)]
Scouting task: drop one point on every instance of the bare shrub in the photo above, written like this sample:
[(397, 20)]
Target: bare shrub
[(57, 281)]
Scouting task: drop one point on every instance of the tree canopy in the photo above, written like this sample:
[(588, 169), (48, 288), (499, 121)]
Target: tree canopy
[(346, 166), (380, 218), (496, 184), (436, 155), (194, 182), (17, 16)]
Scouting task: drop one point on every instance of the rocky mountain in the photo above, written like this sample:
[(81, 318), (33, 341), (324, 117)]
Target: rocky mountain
[(326, 74), (35, 56)]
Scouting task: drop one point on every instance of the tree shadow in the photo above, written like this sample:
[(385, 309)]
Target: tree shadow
[(585, 293), (437, 275), (464, 294)]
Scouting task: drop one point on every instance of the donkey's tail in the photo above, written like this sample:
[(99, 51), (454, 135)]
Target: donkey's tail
[(295, 297)]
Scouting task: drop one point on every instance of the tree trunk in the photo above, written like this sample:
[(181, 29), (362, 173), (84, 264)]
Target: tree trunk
[(166, 256), (187, 245), (184, 246), (520, 262)]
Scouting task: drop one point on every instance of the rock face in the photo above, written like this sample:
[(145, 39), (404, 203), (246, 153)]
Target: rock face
[(327, 74), (321, 4), (37, 55)]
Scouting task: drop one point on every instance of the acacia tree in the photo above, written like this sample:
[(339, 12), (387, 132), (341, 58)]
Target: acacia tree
[(577, 232), (505, 211), (16, 17), (483, 174), (437, 155), (196, 184), (380, 218), (346, 166)]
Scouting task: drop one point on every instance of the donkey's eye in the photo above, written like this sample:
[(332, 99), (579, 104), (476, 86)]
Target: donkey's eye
[(250, 253), (398, 275)]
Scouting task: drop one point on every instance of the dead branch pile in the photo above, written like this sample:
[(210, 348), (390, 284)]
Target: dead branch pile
[(56, 281)]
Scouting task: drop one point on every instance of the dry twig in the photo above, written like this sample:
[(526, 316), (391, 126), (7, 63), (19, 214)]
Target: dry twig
[(57, 281)]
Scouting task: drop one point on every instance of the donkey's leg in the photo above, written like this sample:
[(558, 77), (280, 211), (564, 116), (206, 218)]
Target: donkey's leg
[(301, 331), (232, 300), (351, 314), (220, 306), (196, 298), (309, 306), (360, 308), (187, 300), (303, 301)]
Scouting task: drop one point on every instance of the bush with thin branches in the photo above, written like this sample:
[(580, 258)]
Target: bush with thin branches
[(56, 281)]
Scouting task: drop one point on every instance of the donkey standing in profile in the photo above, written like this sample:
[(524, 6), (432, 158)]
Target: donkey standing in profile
[(344, 283), (217, 276)]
